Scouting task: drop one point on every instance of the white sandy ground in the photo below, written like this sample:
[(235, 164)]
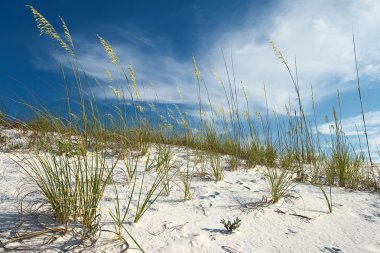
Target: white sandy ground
[(299, 224)]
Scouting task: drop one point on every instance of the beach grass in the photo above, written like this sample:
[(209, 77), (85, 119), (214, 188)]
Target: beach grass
[(71, 167)]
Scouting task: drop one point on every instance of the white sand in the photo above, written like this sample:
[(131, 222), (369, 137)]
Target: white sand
[(172, 225)]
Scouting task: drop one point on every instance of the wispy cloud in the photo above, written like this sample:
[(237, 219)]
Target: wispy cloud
[(354, 125)]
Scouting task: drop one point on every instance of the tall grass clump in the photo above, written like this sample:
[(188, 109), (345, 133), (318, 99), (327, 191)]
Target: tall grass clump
[(72, 183), (187, 178), (280, 182), (163, 164), (344, 166), (147, 197), (303, 149), (341, 163), (233, 162), (73, 171), (131, 163), (55, 179), (216, 166)]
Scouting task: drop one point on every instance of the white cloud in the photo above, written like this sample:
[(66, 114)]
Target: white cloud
[(319, 33), (157, 76), (353, 126)]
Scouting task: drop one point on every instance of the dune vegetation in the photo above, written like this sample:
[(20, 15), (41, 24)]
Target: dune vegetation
[(74, 158)]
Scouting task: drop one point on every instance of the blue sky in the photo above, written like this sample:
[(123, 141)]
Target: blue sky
[(160, 37)]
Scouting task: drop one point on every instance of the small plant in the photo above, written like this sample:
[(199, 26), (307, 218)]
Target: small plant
[(231, 226)]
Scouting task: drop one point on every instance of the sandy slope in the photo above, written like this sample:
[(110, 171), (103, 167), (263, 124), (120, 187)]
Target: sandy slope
[(299, 224)]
